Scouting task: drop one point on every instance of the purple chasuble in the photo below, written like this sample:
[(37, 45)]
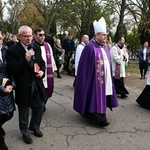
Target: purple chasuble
[(90, 94), (50, 74)]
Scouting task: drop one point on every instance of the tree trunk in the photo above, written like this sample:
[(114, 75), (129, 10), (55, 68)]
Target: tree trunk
[(119, 31)]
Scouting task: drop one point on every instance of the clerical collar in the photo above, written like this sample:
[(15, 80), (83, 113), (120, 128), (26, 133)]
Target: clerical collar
[(82, 43), (40, 44), (120, 46), (99, 43)]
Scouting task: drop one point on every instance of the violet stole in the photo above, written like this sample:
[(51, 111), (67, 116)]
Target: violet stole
[(117, 69), (100, 81), (50, 74)]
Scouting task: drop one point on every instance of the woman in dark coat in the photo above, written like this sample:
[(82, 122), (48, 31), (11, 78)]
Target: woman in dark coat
[(58, 55), (7, 105)]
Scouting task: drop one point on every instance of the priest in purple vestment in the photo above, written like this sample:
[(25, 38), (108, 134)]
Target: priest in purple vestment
[(94, 88), (47, 55)]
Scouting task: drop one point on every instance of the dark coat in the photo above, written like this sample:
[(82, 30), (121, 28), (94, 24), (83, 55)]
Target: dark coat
[(141, 55), (57, 51), (10, 43), (24, 74), (68, 46), (6, 100), (50, 40)]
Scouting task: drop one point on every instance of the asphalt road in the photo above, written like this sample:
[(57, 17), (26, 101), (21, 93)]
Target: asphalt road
[(64, 129)]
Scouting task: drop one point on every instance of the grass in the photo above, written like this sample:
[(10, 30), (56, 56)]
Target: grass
[(133, 69)]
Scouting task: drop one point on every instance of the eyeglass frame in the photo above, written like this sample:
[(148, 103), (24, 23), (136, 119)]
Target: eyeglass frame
[(27, 36), (40, 34)]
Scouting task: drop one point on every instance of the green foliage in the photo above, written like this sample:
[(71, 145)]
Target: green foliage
[(80, 14), (140, 10), (133, 41), (133, 69)]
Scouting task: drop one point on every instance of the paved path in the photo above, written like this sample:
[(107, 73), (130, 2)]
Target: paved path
[(64, 129)]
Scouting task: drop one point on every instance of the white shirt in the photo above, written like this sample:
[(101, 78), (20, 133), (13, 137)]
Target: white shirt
[(25, 47), (79, 50), (144, 53), (148, 79), (1, 54), (44, 58)]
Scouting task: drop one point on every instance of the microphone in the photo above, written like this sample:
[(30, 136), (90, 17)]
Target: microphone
[(30, 47)]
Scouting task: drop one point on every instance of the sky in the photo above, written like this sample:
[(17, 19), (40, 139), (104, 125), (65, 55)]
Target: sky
[(5, 10)]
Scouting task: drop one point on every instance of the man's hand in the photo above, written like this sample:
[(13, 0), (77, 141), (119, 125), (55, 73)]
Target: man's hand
[(39, 74), (29, 54), (8, 89)]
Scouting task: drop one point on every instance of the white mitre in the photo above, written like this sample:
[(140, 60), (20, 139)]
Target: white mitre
[(99, 26)]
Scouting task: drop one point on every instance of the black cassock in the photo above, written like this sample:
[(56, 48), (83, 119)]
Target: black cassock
[(144, 98)]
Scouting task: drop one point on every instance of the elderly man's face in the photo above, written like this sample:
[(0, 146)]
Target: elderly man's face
[(26, 36)]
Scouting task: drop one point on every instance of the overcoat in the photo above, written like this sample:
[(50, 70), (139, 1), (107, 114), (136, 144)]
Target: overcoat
[(90, 91), (24, 74), (7, 104)]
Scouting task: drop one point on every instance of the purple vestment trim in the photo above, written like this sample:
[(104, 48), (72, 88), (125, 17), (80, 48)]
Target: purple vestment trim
[(50, 77), (89, 94)]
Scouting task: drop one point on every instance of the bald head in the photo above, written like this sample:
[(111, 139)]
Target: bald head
[(85, 38)]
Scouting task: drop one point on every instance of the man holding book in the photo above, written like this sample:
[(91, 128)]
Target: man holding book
[(30, 91)]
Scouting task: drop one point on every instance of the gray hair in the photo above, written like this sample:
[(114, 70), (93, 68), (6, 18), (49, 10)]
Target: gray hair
[(58, 40), (22, 28)]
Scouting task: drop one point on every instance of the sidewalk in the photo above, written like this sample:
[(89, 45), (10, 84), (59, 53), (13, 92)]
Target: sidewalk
[(64, 129)]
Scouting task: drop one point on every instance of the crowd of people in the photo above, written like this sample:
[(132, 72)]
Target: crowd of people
[(29, 59)]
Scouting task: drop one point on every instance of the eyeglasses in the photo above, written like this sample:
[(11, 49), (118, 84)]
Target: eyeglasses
[(27, 36), (41, 34)]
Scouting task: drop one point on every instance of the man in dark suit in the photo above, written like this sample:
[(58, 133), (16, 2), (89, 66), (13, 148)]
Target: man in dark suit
[(69, 47), (30, 91)]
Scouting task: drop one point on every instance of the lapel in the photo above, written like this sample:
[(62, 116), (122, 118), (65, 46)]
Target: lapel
[(20, 49)]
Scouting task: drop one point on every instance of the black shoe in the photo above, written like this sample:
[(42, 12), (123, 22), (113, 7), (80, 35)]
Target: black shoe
[(44, 109), (3, 132), (59, 76), (104, 124), (3, 146), (27, 139), (123, 96), (36, 132), (69, 72)]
